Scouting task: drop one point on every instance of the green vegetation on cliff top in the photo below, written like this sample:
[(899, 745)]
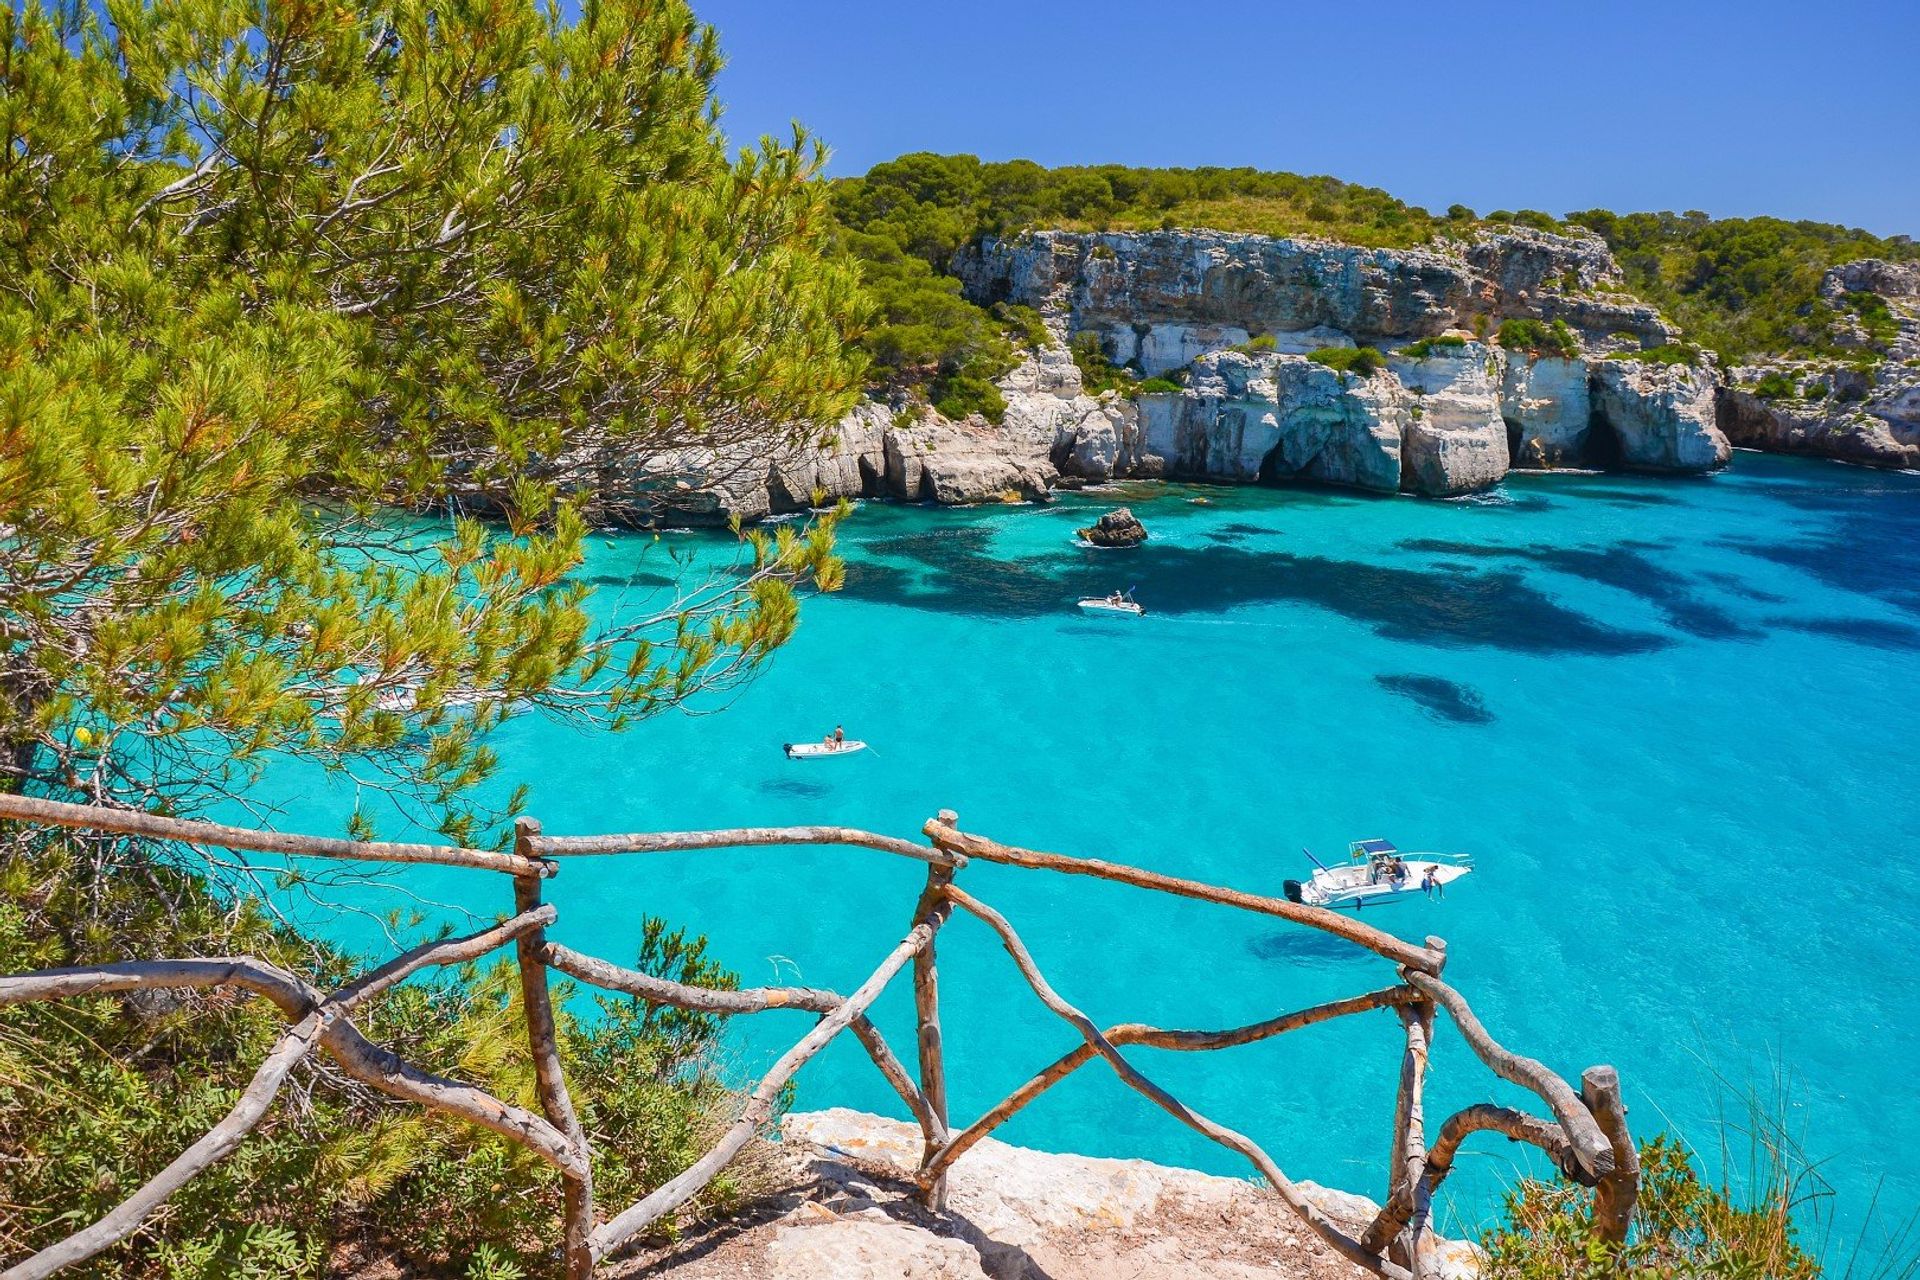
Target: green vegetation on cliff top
[(1744, 287)]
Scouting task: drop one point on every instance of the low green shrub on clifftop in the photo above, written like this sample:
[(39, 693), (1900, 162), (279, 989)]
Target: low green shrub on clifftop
[(1745, 287), (1539, 337), (98, 1095), (1684, 1228), (1361, 361)]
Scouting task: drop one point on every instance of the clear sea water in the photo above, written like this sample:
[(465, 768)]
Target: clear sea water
[(1674, 720)]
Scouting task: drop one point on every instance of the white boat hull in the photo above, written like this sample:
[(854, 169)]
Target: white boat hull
[(823, 750), (1108, 606), (1351, 889)]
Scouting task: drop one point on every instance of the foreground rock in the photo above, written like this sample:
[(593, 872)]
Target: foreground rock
[(1117, 528), (847, 1213)]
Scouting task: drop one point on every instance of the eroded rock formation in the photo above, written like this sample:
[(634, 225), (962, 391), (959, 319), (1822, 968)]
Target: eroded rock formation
[(1863, 410), (1236, 321)]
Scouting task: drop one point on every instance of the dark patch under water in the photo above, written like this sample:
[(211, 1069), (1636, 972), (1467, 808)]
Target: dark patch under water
[(1733, 584), (1442, 699), (1875, 633), (796, 787), (1624, 566), (1495, 607), (1867, 546), (1306, 947)]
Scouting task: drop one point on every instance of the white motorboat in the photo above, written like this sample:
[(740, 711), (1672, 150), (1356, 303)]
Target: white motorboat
[(1115, 603), (1377, 874), (822, 750)]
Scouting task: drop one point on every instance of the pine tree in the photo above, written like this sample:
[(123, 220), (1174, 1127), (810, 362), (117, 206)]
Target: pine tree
[(269, 272)]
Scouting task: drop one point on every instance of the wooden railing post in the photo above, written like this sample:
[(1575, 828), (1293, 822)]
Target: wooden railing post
[(933, 908), (543, 1036), (1616, 1193)]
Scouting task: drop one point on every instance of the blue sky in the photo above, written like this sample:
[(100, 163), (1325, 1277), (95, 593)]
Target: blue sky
[(1801, 110)]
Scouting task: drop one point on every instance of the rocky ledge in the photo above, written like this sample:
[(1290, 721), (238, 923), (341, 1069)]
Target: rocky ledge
[(845, 1212), (1864, 410), (1250, 329)]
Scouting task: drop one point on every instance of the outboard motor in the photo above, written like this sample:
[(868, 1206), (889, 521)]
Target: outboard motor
[(1292, 889)]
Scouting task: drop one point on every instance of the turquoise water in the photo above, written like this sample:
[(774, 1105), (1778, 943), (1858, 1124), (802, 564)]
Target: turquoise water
[(1673, 720)]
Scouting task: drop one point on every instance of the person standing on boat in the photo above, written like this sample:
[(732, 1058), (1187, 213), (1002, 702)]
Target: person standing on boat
[(838, 738), (1431, 883)]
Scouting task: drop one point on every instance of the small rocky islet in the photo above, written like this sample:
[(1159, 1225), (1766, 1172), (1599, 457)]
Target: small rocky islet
[(1431, 371)]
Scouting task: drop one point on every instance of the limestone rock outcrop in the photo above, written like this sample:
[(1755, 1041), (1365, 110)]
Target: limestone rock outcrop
[(1661, 415), (845, 1212), (1116, 528), (1548, 410), (1456, 440), (1864, 410), (1234, 320)]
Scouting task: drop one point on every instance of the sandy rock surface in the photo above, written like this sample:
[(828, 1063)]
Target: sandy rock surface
[(847, 1213)]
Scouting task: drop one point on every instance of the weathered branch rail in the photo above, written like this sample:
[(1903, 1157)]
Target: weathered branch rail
[(1586, 1136)]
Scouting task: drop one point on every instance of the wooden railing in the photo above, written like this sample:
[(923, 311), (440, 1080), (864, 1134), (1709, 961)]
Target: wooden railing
[(1586, 1136)]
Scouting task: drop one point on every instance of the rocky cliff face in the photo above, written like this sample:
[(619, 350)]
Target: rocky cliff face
[(1235, 319), (1865, 410)]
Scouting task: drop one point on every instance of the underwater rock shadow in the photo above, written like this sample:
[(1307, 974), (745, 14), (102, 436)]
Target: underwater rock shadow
[(1624, 567), (796, 788), (1493, 608), (1442, 699), (1875, 633), (1306, 947), (1870, 544)]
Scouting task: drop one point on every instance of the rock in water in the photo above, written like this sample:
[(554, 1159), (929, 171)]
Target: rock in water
[(1117, 528)]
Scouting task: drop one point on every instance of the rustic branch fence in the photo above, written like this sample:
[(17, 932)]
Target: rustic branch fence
[(1586, 1137)]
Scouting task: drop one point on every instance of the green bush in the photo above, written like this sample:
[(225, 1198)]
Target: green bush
[(1742, 286), (1538, 337), (958, 394), (1774, 386), (1427, 346), (1158, 387), (97, 1095), (1667, 353), (1361, 361), (1097, 373), (1683, 1229)]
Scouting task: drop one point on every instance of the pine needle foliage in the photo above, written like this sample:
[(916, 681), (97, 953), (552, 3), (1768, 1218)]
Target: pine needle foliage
[(269, 272)]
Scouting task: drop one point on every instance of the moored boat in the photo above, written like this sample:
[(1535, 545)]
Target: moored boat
[(1377, 874), (1118, 602), (821, 750)]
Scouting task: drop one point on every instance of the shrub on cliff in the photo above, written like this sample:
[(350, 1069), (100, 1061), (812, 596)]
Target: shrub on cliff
[(1427, 346), (1743, 286), (1361, 361), (1683, 1228), (1666, 353), (1538, 337), (97, 1095)]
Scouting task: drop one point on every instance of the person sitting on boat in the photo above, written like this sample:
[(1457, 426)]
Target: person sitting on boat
[(1116, 599)]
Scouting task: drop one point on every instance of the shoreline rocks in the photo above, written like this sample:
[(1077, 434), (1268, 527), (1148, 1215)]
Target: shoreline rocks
[(1237, 321), (1117, 528)]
